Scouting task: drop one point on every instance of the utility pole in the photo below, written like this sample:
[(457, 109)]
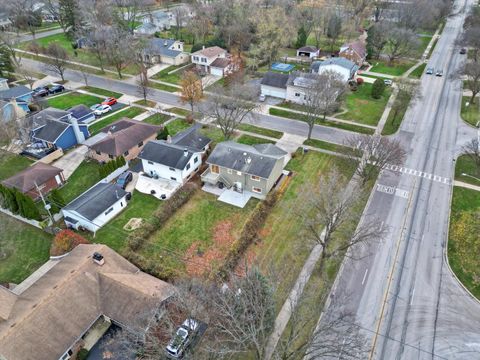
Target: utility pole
[(45, 205)]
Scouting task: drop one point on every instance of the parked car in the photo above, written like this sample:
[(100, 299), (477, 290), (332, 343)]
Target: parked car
[(124, 179), (439, 73), (102, 109), (182, 338), (41, 91), (429, 71), (388, 82), (95, 107), (109, 101), (463, 51), (56, 88), (261, 98)]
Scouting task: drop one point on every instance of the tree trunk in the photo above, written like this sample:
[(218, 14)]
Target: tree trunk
[(119, 72), (310, 129), (472, 98)]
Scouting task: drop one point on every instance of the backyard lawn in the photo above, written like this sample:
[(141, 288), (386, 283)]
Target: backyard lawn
[(362, 107), (84, 177), (130, 113), (462, 252), (466, 165), (326, 145), (10, 164), (23, 249), (176, 126), (470, 113), (66, 101), (103, 92), (396, 69)]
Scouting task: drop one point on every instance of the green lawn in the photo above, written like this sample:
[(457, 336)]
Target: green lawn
[(393, 122), (66, 101), (177, 125), (418, 72), (261, 131), (466, 165), (157, 119), (252, 140), (362, 107), (463, 255), (113, 234), (130, 113), (103, 92), (163, 87), (326, 145), (23, 249), (432, 48), (84, 177), (10, 164), (148, 103), (213, 133), (179, 111), (471, 113), (299, 117), (424, 41), (173, 78), (395, 69), (204, 229)]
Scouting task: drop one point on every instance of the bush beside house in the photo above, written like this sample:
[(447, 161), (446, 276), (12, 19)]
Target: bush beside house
[(19, 203), (65, 241), (111, 166)]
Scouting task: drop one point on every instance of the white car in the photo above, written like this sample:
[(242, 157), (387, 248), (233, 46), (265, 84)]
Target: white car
[(182, 338), (388, 82), (102, 109), (261, 98)]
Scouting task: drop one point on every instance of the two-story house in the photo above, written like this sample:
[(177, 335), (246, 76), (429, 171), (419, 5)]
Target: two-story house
[(166, 51), (212, 60), (238, 172), (355, 51)]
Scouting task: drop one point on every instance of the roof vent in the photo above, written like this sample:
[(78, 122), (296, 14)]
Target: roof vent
[(185, 152), (249, 160), (98, 258)]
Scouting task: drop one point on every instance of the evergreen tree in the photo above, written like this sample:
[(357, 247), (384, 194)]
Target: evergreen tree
[(302, 37), (378, 89)]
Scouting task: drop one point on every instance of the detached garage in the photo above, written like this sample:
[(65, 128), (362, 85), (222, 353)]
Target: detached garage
[(274, 84)]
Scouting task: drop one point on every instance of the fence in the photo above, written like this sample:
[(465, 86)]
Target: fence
[(52, 156), (21, 218), (115, 173)]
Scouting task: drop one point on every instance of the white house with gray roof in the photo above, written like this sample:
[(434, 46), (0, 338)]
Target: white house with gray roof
[(166, 51), (346, 68), (95, 207), (238, 172)]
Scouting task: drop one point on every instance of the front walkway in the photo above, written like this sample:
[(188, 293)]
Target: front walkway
[(290, 143), (466, 185), (71, 161)]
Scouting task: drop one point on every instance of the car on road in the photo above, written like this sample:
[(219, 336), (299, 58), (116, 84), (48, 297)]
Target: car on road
[(388, 82), (463, 51), (439, 73), (429, 71), (56, 88), (109, 101), (124, 179), (102, 109), (41, 91), (182, 338), (261, 98)]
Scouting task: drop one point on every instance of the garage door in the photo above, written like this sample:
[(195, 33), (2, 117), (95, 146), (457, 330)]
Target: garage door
[(216, 71), (274, 92)]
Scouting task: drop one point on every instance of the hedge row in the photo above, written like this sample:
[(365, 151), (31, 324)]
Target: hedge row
[(136, 239), (112, 165), (249, 234), (156, 268), (18, 203)]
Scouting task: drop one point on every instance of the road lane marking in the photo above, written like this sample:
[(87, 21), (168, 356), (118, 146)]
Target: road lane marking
[(413, 172), (392, 190), (413, 294), (364, 276)]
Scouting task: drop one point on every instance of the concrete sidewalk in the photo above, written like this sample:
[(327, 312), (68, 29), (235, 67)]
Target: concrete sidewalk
[(466, 185), (71, 161)]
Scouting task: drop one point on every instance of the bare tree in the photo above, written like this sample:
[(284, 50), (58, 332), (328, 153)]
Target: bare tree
[(472, 149), (472, 83), (401, 42), (180, 16), (407, 93), (230, 106), (322, 95), (471, 39), (121, 50), (377, 39), (143, 82), (378, 152), (127, 12), (25, 15), (334, 29), (57, 59)]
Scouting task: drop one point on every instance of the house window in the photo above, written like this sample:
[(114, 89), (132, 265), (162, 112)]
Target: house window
[(195, 58), (257, 190), (171, 169), (125, 153), (195, 160), (239, 173), (140, 143), (150, 162), (98, 153), (173, 178), (110, 156), (229, 171), (204, 60), (188, 166), (297, 94), (255, 178), (215, 169), (109, 211), (121, 203)]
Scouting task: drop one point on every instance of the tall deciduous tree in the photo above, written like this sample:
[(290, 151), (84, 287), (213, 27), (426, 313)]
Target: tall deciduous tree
[(472, 83), (401, 42), (192, 90), (407, 93), (121, 50), (57, 59)]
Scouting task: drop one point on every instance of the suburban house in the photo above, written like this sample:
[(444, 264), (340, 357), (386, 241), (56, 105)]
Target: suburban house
[(308, 51), (21, 94), (274, 84), (237, 172), (71, 304), (212, 60), (37, 178), (346, 68), (61, 134), (355, 51), (95, 207), (146, 28), (176, 158), (82, 113), (153, 22), (125, 138), (166, 51)]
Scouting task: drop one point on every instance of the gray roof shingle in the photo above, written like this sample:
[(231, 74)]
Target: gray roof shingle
[(159, 46), (80, 111), (26, 179), (275, 80), (340, 61), (192, 139), (167, 154), (51, 131), (256, 160), (15, 92), (96, 200)]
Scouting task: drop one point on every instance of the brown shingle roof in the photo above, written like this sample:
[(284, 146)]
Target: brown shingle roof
[(210, 52), (25, 179), (50, 315), (124, 135), (221, 63), (358, 46)]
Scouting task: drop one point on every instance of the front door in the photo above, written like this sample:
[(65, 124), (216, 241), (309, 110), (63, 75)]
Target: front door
[(215, 169)]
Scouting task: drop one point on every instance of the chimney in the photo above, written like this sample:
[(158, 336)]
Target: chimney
[(203, 47), (76, 129), (98, 258), (185, 152), (169, 139), (165, 43)]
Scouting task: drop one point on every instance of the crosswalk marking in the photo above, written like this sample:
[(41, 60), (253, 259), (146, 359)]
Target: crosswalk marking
[(392, 190), (419, 173)]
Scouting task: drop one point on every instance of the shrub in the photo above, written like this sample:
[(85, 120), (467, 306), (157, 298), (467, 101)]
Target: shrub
[(378, 88), (163, 135), (65, 241), (360, 81), (82, 354)]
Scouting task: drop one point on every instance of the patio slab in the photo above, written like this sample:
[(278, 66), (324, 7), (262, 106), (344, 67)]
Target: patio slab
[(235, 198), (156, 187)]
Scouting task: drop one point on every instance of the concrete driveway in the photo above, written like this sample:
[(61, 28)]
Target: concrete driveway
[(71, 161)]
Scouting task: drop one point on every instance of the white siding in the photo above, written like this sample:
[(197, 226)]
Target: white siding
[(216, 71), (273, 91), (345, 73), (165, 172), (295, 94)]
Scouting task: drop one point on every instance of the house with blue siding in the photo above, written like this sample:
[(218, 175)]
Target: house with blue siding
[(61, 134), (21, 94)]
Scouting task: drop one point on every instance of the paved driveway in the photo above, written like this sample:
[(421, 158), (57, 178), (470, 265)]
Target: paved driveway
[(71, 161)]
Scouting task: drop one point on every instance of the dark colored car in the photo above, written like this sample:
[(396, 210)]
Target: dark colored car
[(41, 91), (109, 101), (463, 51), (124, 179), (56, 88)]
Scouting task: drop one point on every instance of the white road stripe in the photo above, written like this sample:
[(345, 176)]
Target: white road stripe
[(364, 276)]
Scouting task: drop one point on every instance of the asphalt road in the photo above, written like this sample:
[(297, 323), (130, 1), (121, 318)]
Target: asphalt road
[(400, 290)]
